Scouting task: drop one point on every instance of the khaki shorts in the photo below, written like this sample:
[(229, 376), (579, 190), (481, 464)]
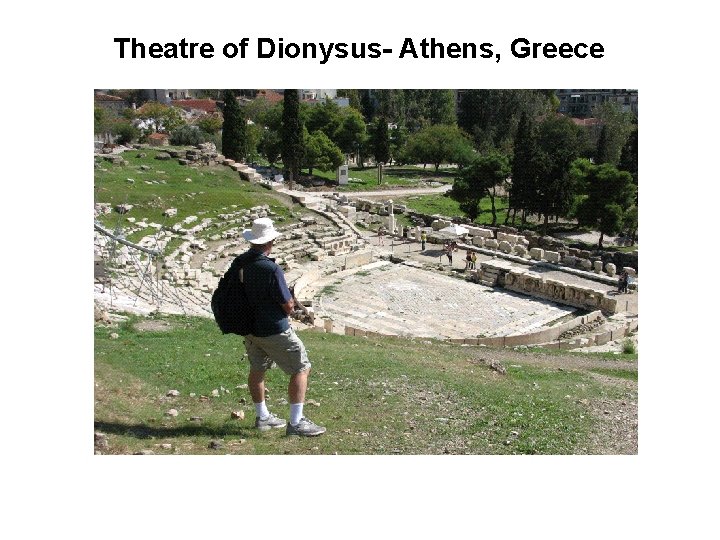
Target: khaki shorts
[(285, 349)]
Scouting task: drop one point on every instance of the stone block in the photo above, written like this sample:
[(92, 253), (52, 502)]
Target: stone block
[(491, 243), (597, 266), (438, 224), (537, 254), (505, 246), (510, 238), (347, 211), (552, 257), (520, 251), (609, 304), (611, 269), (602, 339), (478, 241), (570, 260), (630, 271)]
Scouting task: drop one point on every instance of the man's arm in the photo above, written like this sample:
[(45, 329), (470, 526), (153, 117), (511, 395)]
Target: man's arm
[(288, 306), (283, 295)]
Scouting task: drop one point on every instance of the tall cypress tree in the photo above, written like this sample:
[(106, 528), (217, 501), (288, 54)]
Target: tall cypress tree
[(602, 154), (234, 130), (523, 169), (381, 146), (629, 156), (292, 136)]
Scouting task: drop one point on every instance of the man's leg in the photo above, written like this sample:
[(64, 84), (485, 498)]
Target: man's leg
[(256, 385), (298, 424), (259, 363), (298, 386), (296, 395)]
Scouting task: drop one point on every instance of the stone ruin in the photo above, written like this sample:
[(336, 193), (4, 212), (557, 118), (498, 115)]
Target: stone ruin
[(202, 154), (506, 240), (197, 262)]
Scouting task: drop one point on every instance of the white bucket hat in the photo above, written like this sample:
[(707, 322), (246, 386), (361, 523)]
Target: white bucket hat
[(262, 232)]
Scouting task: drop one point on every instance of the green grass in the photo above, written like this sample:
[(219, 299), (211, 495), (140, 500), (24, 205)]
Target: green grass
[(211, 189), (630, 375), (365, 179), (445, 206), (376, 396)]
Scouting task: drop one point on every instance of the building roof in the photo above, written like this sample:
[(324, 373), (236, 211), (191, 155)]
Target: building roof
[(271, 95), (107, 97), (158, 136), (585, 122), (207, 105)]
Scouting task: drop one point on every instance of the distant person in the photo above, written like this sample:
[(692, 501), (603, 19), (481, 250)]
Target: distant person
[(473, 260), (423, 239), (468, 260), (272, 338), (623, 282), (381, 236), (450, 253)]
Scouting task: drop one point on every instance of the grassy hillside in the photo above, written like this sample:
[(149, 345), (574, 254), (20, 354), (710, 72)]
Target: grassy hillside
[(375, 396), (211, 189)]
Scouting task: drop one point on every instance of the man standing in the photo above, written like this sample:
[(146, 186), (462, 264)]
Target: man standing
[(423, 239), (272, 338)]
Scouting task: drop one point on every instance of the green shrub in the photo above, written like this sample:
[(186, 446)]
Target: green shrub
[(629, 347), (125, 132), (188, 136)]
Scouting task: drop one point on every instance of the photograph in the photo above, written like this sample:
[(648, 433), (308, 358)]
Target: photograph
[(366, 272)]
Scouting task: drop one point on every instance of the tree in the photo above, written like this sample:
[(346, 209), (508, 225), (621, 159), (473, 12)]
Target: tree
[(325, 117), (617, 124), (381, 141), (491, 116), (270, 146), (480, 179), (398, 143), (524, 173), (354, 97), (441, 107), (557, 148), (423, 108), (391, 105), (629, 156), (351, 131), (630, 223), (602, 153), (125, 132), (253, 135), (291, 134), (234, 132), (160, 117), (320, 152), (211, 123), (188, 136), (608, 195), (439, 144)]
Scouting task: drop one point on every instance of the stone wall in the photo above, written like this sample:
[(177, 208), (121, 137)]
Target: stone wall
[(541, 336), (533, 284)]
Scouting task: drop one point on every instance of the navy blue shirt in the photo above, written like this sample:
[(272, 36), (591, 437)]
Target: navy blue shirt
[(266, 292)]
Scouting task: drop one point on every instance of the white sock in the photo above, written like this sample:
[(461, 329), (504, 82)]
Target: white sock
[(261, 410), (296, 410)]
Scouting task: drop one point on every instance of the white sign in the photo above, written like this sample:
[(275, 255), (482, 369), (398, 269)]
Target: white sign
[(342, 175)]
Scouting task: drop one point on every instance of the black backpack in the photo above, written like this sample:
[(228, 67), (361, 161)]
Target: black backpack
[(229, 303)]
